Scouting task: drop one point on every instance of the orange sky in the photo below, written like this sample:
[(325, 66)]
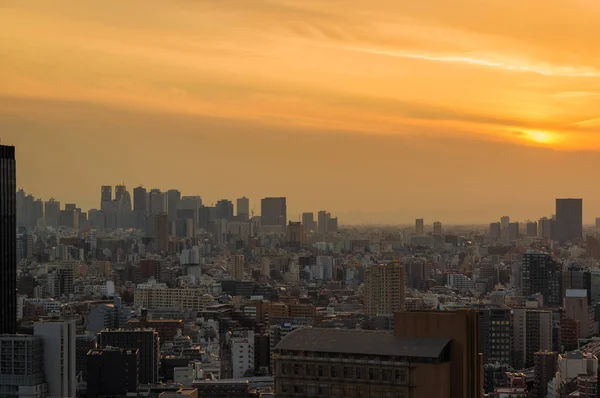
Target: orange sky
[(386, 110)]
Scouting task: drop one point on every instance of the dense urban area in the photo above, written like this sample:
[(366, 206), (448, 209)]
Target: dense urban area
[(155, 293)]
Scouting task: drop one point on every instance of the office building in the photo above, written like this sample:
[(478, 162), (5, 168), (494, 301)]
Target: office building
[(385, 286), (547, 228), (461, 328), (295, 233), (156, 202), (59, 356), (274, 214), (243, 209), (224, 209), (542, 273), (8, 240), (496, 333), (161, 232), (146, 341), (437, 228), (173, 199), (112, 372), (504, 221), (544, 371), (419, 227), (119, 191), (569, 219), (576, 307), (51, 213), (532, 332), (105, 194), (512, 233), (341, 363), (495, 230), (140, 200), (308, 220), (22, 364), (532, 229)]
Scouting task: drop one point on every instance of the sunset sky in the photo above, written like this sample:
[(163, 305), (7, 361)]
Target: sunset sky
[(376, 110)]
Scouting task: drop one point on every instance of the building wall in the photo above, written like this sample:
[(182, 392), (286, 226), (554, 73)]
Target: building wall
[(462, 327), (59, 356)]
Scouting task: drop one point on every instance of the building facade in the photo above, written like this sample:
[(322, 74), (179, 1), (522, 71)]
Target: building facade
[(385, 286), (8, 240)]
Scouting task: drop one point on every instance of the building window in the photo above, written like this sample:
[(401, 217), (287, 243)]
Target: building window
[(360, 374), (334, 372), (324, 390), (320, 372), (386, 374), (401, 376), (311, 390), (347, 372)]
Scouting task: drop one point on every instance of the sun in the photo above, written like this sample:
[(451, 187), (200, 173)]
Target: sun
[(540, 137)]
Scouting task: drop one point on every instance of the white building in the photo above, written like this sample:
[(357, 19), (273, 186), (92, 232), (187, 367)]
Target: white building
[(59, 356), (326, 262), (242, 353)]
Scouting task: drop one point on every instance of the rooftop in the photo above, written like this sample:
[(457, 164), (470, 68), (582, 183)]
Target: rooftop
[(361, 342)]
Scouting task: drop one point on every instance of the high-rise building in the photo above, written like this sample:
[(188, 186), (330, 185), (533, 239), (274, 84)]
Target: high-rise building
[(597, 222), (495, 230), (569, 219), (144, 340), (437, 228), (22, 366), (105, 194), (173, 199), (224, 210), (59, 356), (496, 333), (419, 227), (295, 233), (112, 372), (462, 329), (156, 202), (237, 266), (532, 229), (140, 200), (504, 221), (119, 191), (512, 233), (324, 219), (274, 213), (308, 220), (8, 240), (547, 228), (242, 353), (542, 273), (576, 307), (385, 286), (243, 209), (52, 212), (161, 232), (544, 371)]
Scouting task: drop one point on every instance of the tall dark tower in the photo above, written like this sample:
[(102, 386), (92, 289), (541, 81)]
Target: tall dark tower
[(569, 219), (8, 240)]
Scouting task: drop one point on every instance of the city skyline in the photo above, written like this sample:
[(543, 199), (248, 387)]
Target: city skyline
[(455, 118)]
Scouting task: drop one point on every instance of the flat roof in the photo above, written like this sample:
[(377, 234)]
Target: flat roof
[(361, 342)]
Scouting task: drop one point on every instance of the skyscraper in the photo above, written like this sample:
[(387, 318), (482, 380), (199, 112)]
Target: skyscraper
[(119, 191), (243, 209), (437, 228), (419, 227), (308, 220), (385, 286), (8, 240), (105, 194), (140, 199), (274, 213), (323, 219), (51, 212), (59, 356), (156, 202), (173, 199), (569, 219), (161, 232), (532, 229), (224, 210)]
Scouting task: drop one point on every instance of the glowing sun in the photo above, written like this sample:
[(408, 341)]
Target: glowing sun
[(540, 137)]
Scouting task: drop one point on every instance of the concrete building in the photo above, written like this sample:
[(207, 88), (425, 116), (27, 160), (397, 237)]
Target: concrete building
[(274, 214), (532, 332), (544, 371), (437, 228), (495, 230), (385, 286), (576, 307), (242, 353), (542, 273), (59, 356), (159, 296), (462, 329), (295, 233), (243, 209), (237, 266), (532, 229), (308, 220), (356, 363), (22, 367), (8, 240), (572, 364)]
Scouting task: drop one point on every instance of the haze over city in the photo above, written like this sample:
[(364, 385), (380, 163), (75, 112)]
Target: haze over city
[(381, 114)]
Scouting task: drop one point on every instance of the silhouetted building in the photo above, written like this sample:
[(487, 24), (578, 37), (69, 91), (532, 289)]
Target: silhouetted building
[(224, 210), (161, 232), (419, 227), (532, 229), (274, 213), (112, 372), (495, 230), (308, 220), (8, 240), (105, 194), (569, 219), (146, 341), (295, 233)]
